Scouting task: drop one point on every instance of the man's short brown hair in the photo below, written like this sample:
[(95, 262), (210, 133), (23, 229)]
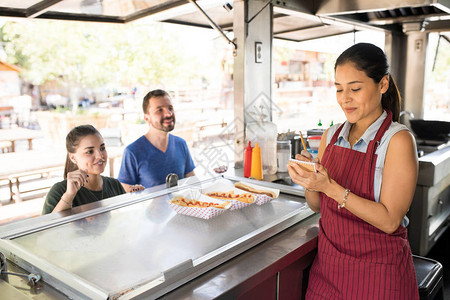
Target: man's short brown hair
[(152, 94)]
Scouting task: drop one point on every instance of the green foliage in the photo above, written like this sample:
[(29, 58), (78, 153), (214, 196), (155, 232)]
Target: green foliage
[(90, 55), (61, 109), (328, 67), (140, 121), (281, 54), (81, 111)]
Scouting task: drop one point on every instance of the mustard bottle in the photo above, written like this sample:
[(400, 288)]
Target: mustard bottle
[(257, 171)]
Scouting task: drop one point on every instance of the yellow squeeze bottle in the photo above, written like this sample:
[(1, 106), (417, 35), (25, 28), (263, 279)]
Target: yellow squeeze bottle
[(257, 170)]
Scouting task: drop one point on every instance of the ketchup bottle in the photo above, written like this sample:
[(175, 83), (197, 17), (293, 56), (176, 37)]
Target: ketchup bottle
[(248, 160)]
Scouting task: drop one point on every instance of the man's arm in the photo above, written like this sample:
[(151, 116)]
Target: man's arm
[(189, 162), (132, 188), (128, 170), (126, 187)]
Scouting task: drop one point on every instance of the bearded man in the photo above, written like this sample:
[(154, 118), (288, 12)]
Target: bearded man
[(149, 159)]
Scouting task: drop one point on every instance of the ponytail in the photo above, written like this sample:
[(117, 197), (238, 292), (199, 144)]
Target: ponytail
[(69, 166), (391, 100)]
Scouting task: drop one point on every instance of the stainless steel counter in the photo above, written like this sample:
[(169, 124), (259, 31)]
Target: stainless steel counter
[(136, 245), (231, 279)]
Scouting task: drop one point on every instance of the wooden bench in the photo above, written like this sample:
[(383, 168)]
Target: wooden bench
[(15, 179), (5, 146), (18, 165), (12, 135)]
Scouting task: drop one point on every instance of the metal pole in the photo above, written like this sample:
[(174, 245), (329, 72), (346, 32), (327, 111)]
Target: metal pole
[(213, 24)]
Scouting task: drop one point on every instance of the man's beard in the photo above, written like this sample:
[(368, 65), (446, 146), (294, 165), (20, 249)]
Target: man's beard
[(166, 128)]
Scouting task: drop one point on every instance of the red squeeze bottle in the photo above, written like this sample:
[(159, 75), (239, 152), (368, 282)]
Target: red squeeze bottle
[(248, 160)]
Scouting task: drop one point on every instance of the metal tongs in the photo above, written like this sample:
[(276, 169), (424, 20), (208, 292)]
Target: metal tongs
[(32, 278)]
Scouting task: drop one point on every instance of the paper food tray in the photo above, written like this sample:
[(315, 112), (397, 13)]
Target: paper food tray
[(226, 186), (198, 212), (260, 198)]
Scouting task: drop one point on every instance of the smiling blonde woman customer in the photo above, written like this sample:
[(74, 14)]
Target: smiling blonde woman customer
[(82, 184)]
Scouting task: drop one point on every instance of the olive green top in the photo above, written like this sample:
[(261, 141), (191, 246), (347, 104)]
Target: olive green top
[(111, 188)]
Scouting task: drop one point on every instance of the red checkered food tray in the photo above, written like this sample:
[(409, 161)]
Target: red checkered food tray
[(192, 203), (224, 189)]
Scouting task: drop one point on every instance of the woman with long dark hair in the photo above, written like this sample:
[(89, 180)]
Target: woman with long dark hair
[(86, 160), (366, 175)]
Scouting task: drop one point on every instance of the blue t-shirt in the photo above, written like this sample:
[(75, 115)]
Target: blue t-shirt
[(143, 163)]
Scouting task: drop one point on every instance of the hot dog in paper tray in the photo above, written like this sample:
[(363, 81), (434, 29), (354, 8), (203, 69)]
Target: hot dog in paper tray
[(262, 194), (241, 193), (220, 196), (192, 203), (224, 190)]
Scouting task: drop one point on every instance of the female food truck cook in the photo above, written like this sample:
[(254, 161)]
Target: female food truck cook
[(366, 174)]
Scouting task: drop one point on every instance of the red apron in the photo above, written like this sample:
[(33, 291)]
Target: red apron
[(355, 260)]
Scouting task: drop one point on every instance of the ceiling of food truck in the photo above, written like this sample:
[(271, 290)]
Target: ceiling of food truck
[(293, 20), (116, 11)]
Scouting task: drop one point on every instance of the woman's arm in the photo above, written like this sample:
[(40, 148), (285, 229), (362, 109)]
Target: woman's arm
[(57, 199), (53, 196), (65, 202), (397, 188), (75, 180)]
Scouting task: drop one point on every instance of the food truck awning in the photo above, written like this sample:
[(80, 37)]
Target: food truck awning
[(292, 20), (7, 67)]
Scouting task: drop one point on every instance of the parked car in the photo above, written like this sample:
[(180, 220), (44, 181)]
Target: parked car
[(55, 100)]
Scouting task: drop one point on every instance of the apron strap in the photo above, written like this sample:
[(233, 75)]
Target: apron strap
[(371, 148), (336, 134), (332, 142)]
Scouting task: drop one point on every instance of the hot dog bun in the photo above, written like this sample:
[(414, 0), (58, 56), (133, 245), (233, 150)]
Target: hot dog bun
[(246, 197), (243, 186), (178, 200)]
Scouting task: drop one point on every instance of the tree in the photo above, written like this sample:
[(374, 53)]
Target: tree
[(90, 55)]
